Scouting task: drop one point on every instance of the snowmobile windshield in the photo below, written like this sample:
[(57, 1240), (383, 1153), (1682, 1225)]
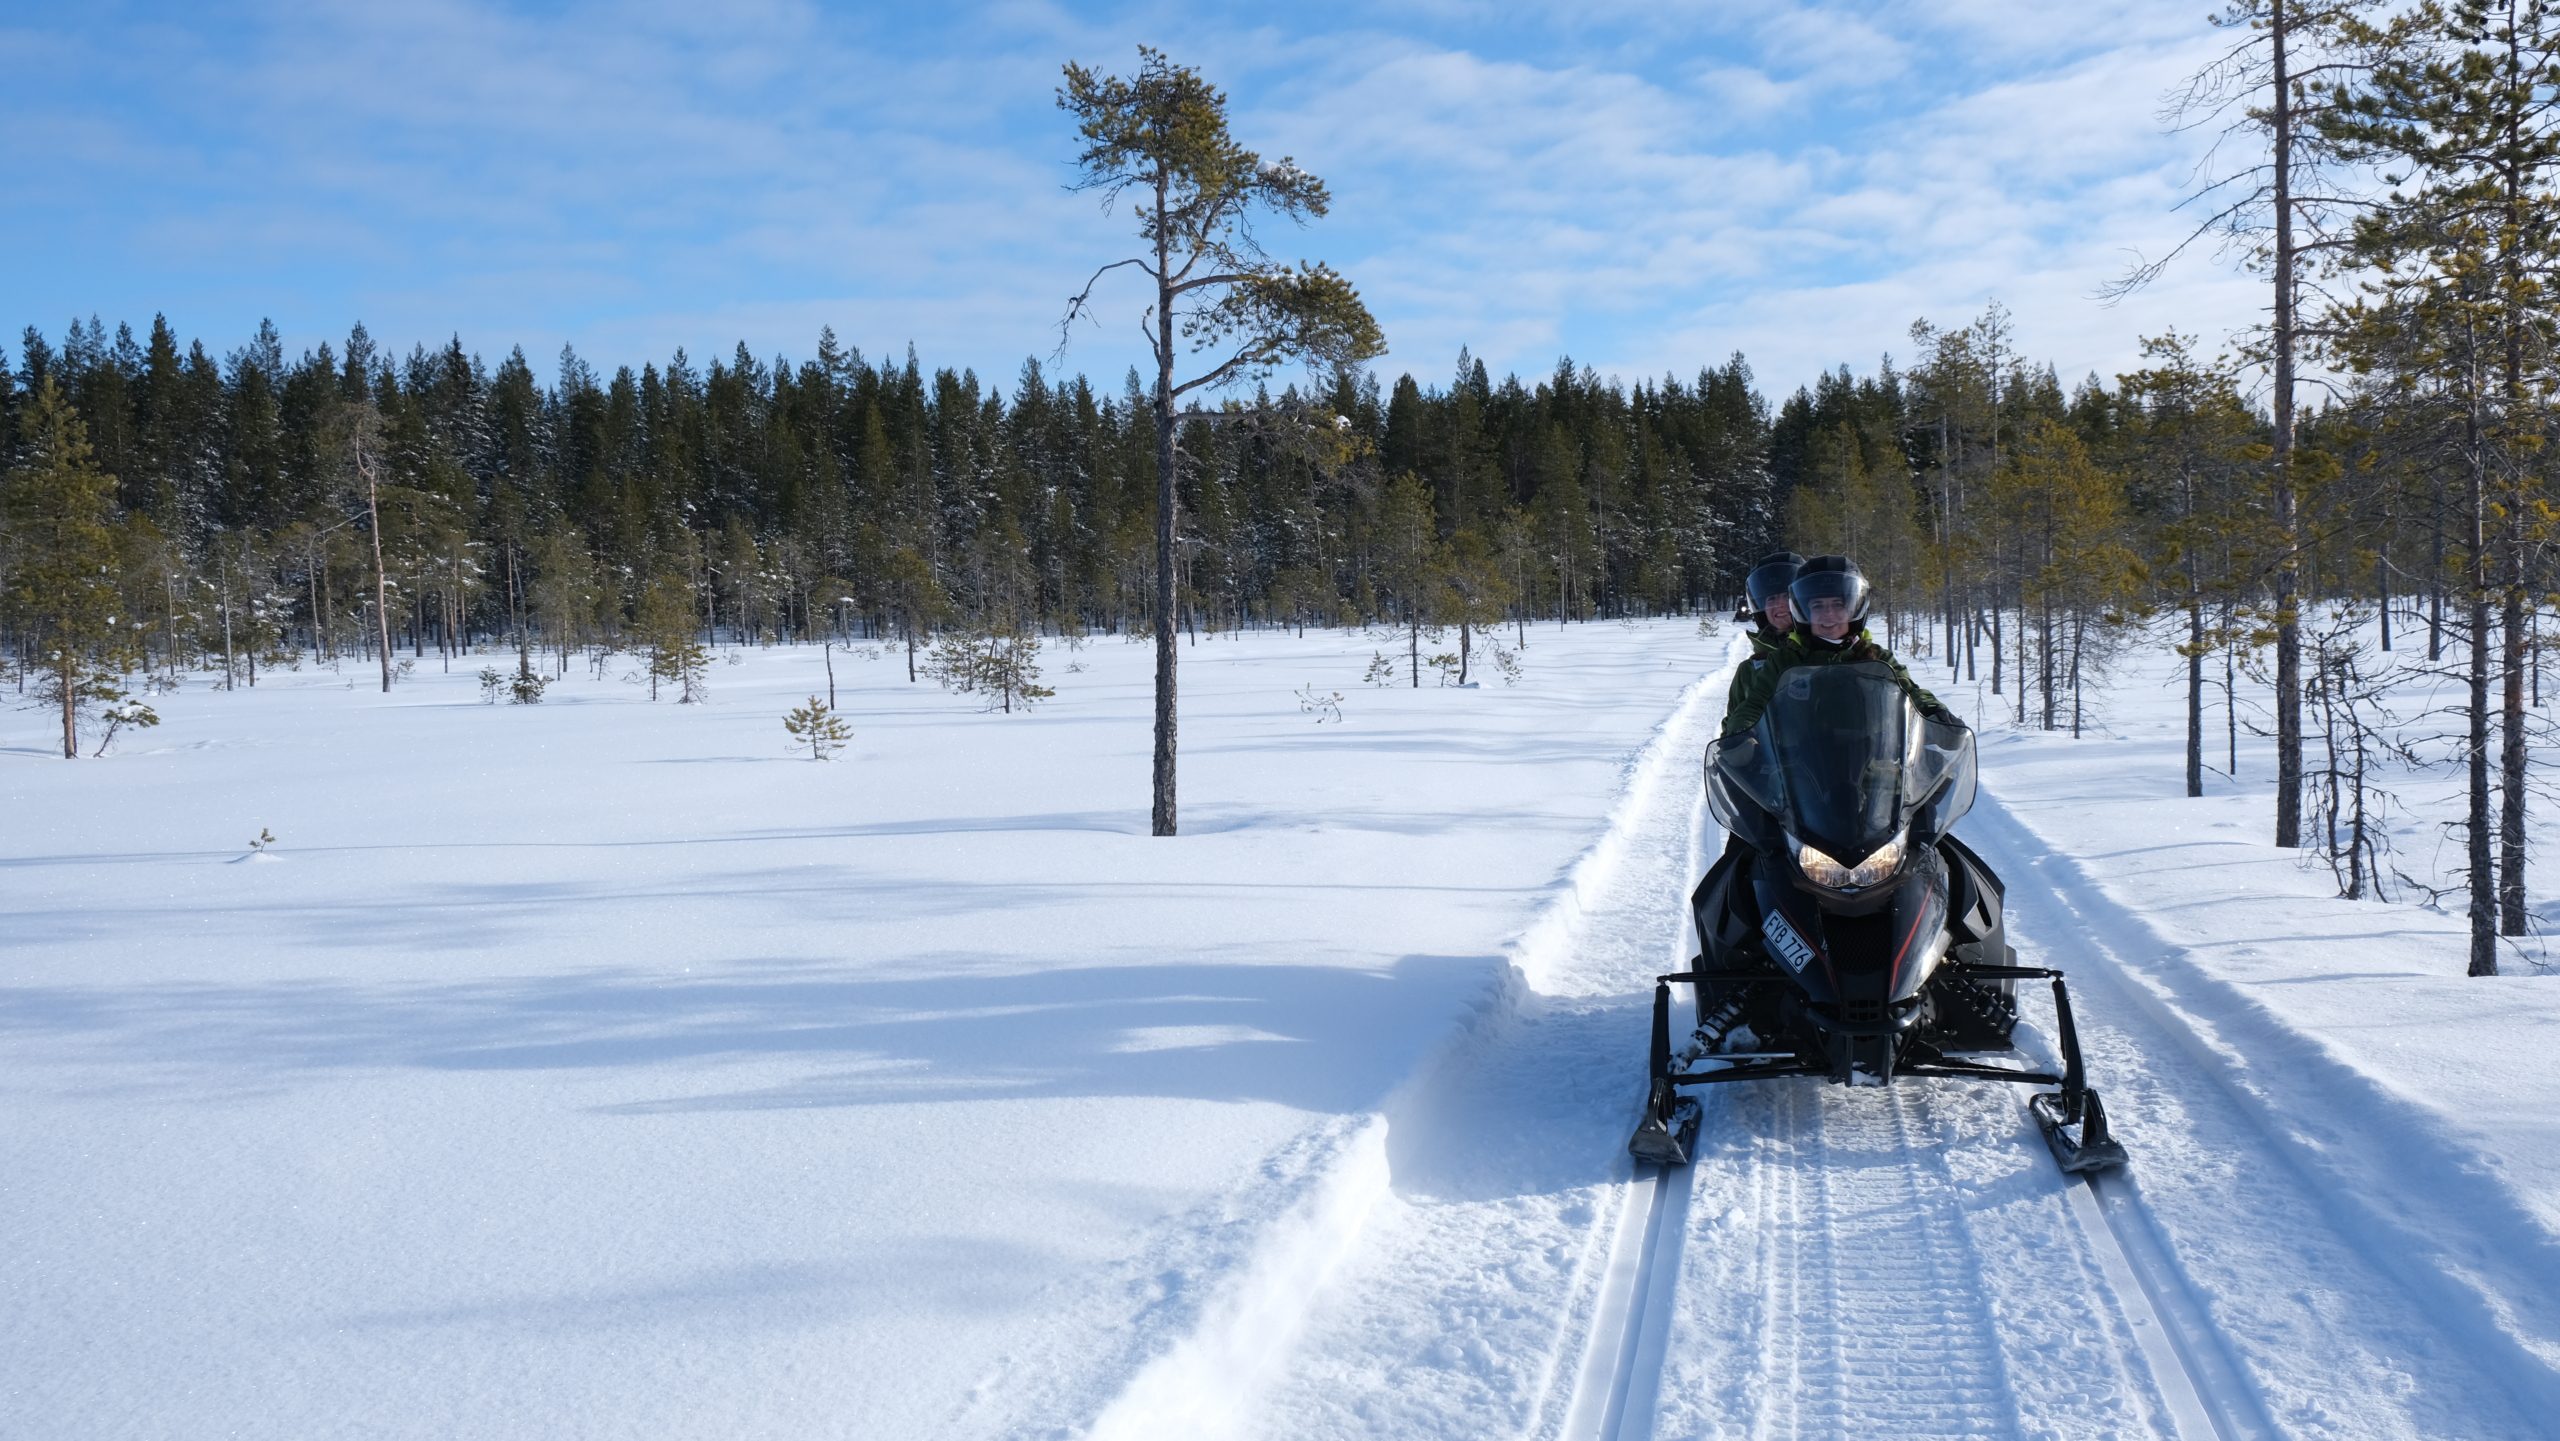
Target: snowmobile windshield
[(1845, 762)]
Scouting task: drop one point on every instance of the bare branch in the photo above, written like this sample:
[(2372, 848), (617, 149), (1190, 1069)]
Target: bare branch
[(1082, 301)]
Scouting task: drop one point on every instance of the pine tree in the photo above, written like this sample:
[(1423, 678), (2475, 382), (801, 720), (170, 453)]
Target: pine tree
[(2192, 438), (1477, 593), (58, 511), (914, 599), (999, 665), (2074, 568), (1408, 562), (2272, 91), (817, 726), (665, 626), (1163, 138), (2462, 103)]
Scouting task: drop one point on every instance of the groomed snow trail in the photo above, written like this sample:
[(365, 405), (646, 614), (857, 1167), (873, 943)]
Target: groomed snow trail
[(1898, 1261), (1839, 1262), (1501, 1285), (1883, 1328), (1461, 1265)]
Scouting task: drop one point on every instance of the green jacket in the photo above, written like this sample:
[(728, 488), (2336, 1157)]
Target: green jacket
[(1764, 648), (1757, 679), (1765, 642)]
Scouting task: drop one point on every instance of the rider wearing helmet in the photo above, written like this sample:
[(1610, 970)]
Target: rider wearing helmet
[(1828, 598), (1770, 606), (1770, 614)]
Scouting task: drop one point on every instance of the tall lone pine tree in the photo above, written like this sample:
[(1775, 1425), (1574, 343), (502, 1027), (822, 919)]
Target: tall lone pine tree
[(1162, 138)]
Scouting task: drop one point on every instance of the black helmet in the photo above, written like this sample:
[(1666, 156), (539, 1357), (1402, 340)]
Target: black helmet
[(1829, 577), (1770, 576)]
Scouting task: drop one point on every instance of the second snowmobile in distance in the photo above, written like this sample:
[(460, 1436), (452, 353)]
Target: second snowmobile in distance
[(1851, 937)]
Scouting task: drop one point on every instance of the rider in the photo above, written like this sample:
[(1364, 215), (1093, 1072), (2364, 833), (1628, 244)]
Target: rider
[(1767, 588), (1770, 614), (1829, 599)]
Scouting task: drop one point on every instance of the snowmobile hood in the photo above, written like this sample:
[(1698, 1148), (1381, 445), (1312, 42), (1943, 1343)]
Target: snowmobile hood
[(1843, 761)]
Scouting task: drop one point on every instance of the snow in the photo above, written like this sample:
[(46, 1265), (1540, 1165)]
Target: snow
[(600, 1068)]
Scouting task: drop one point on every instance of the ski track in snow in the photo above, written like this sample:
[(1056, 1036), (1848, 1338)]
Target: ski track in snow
[(2332, 1269)]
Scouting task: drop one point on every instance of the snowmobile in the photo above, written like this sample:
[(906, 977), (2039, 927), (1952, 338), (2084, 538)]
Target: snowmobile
[(1848, 935)]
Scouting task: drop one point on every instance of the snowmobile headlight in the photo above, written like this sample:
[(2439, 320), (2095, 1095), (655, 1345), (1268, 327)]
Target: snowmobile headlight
[(1819, 868)]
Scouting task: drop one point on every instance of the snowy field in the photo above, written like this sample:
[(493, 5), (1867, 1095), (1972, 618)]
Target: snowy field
[(598, 1069)]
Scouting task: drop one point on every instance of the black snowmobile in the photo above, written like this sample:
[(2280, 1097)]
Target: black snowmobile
[(1850, 936)]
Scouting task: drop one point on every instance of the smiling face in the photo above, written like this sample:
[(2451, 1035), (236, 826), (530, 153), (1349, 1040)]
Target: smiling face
[(1780, 611), (1828, 617)]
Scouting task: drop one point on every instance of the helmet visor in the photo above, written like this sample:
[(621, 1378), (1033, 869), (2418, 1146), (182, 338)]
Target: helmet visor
[(1768, 579), (1829, 597)]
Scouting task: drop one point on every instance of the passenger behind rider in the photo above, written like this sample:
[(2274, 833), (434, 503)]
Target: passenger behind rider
[(1766, 587), (1828, 599), (1771, 614)]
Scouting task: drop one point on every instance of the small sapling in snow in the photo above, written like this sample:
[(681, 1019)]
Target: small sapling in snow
[(126, 712), (1382, 671), (491, 682), (817, 726), (998, 666), (1326, 706), (265, 839), (1445, 665), (665, 626)]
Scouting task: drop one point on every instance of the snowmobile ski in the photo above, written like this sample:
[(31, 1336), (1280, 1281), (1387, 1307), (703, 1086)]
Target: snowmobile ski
[(2093, 1149), (1672, 1142)]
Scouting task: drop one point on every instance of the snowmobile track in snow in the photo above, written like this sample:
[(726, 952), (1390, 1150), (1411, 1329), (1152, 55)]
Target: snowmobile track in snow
[(1851, 1174), (2199, 1383), (1631, 1326), (2151, 996)]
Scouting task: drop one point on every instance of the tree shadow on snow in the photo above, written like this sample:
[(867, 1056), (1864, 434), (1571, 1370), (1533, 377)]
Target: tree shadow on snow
[(1318, 1038)]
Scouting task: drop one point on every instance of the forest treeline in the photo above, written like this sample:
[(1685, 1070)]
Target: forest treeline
[(834, 495), (2016, 531), (2389, 169)]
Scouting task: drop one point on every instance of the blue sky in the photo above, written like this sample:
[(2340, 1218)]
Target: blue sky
[(1646, 187)]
